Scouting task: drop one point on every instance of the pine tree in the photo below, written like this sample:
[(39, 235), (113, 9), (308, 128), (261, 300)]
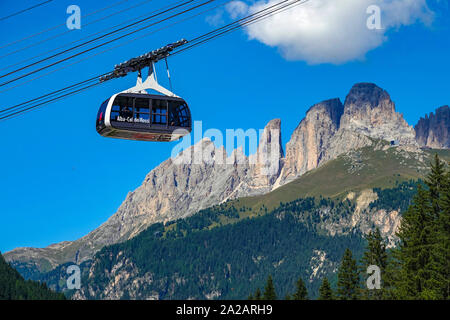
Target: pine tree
[(443, 248), (269, 290), (301, 293), (325, 291), (421, 257), (435, 181), (258, 294), (348, 278), (375, 254), (14, 287), (392, 277), (413, 253)]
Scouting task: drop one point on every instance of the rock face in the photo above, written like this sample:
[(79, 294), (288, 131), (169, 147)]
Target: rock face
[(182, 186), (311, 138), (331, 129), (265, 165), (370, 111), (199, 177), (433, 131)]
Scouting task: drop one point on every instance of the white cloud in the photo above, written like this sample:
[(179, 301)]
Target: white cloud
[(236, 9), (216, 19), (330, 31)]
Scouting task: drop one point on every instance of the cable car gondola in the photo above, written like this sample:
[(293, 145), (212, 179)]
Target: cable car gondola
[(134, 114)]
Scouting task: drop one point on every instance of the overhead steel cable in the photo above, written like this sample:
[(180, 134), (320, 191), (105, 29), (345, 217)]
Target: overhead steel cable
[(64, 33), (83, 38), (102, 44), (117, 46), (25, 10), (60, 25), (255, 17), (22, 111), (243, 22), (15, 110), (90, 41), (54, 92)]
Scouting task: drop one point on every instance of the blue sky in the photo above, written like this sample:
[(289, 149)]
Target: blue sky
[(60, 179)]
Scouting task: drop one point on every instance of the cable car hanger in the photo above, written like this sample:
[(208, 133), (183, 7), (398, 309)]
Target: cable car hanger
[(145, 60), (151, 83)]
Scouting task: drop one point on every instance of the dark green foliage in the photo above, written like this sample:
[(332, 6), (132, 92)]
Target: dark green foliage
[(233, 259), (325, 291), (231, 251), (420, 264), (444, 237), (438, 182), (435, 182), (269, 290), (221, 250), (348, 278), (302, 292), (14, 287), (309, 211), (397, 198), (375, 254), (258, 294)]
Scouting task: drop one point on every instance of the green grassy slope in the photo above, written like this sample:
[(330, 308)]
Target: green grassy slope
[(362, 169)]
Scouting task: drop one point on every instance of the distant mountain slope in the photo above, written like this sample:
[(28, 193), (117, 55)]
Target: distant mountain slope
[(173, 190), (359, 205), (225, 252), (225, 262), (14, 287)]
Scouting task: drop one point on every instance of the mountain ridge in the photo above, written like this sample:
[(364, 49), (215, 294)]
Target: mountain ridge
[(172, 191), (378, 203), (433, 130)]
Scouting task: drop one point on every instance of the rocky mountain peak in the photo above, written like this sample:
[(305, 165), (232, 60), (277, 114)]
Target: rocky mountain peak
[(270, 141), (442, 112), (266, 163), (273, 124), (311, 137), (369, 110), (434, 129), (364, 94), (333, 108), (368, 105)]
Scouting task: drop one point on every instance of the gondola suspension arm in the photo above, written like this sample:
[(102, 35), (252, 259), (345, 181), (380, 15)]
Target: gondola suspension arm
[(149, 84)]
